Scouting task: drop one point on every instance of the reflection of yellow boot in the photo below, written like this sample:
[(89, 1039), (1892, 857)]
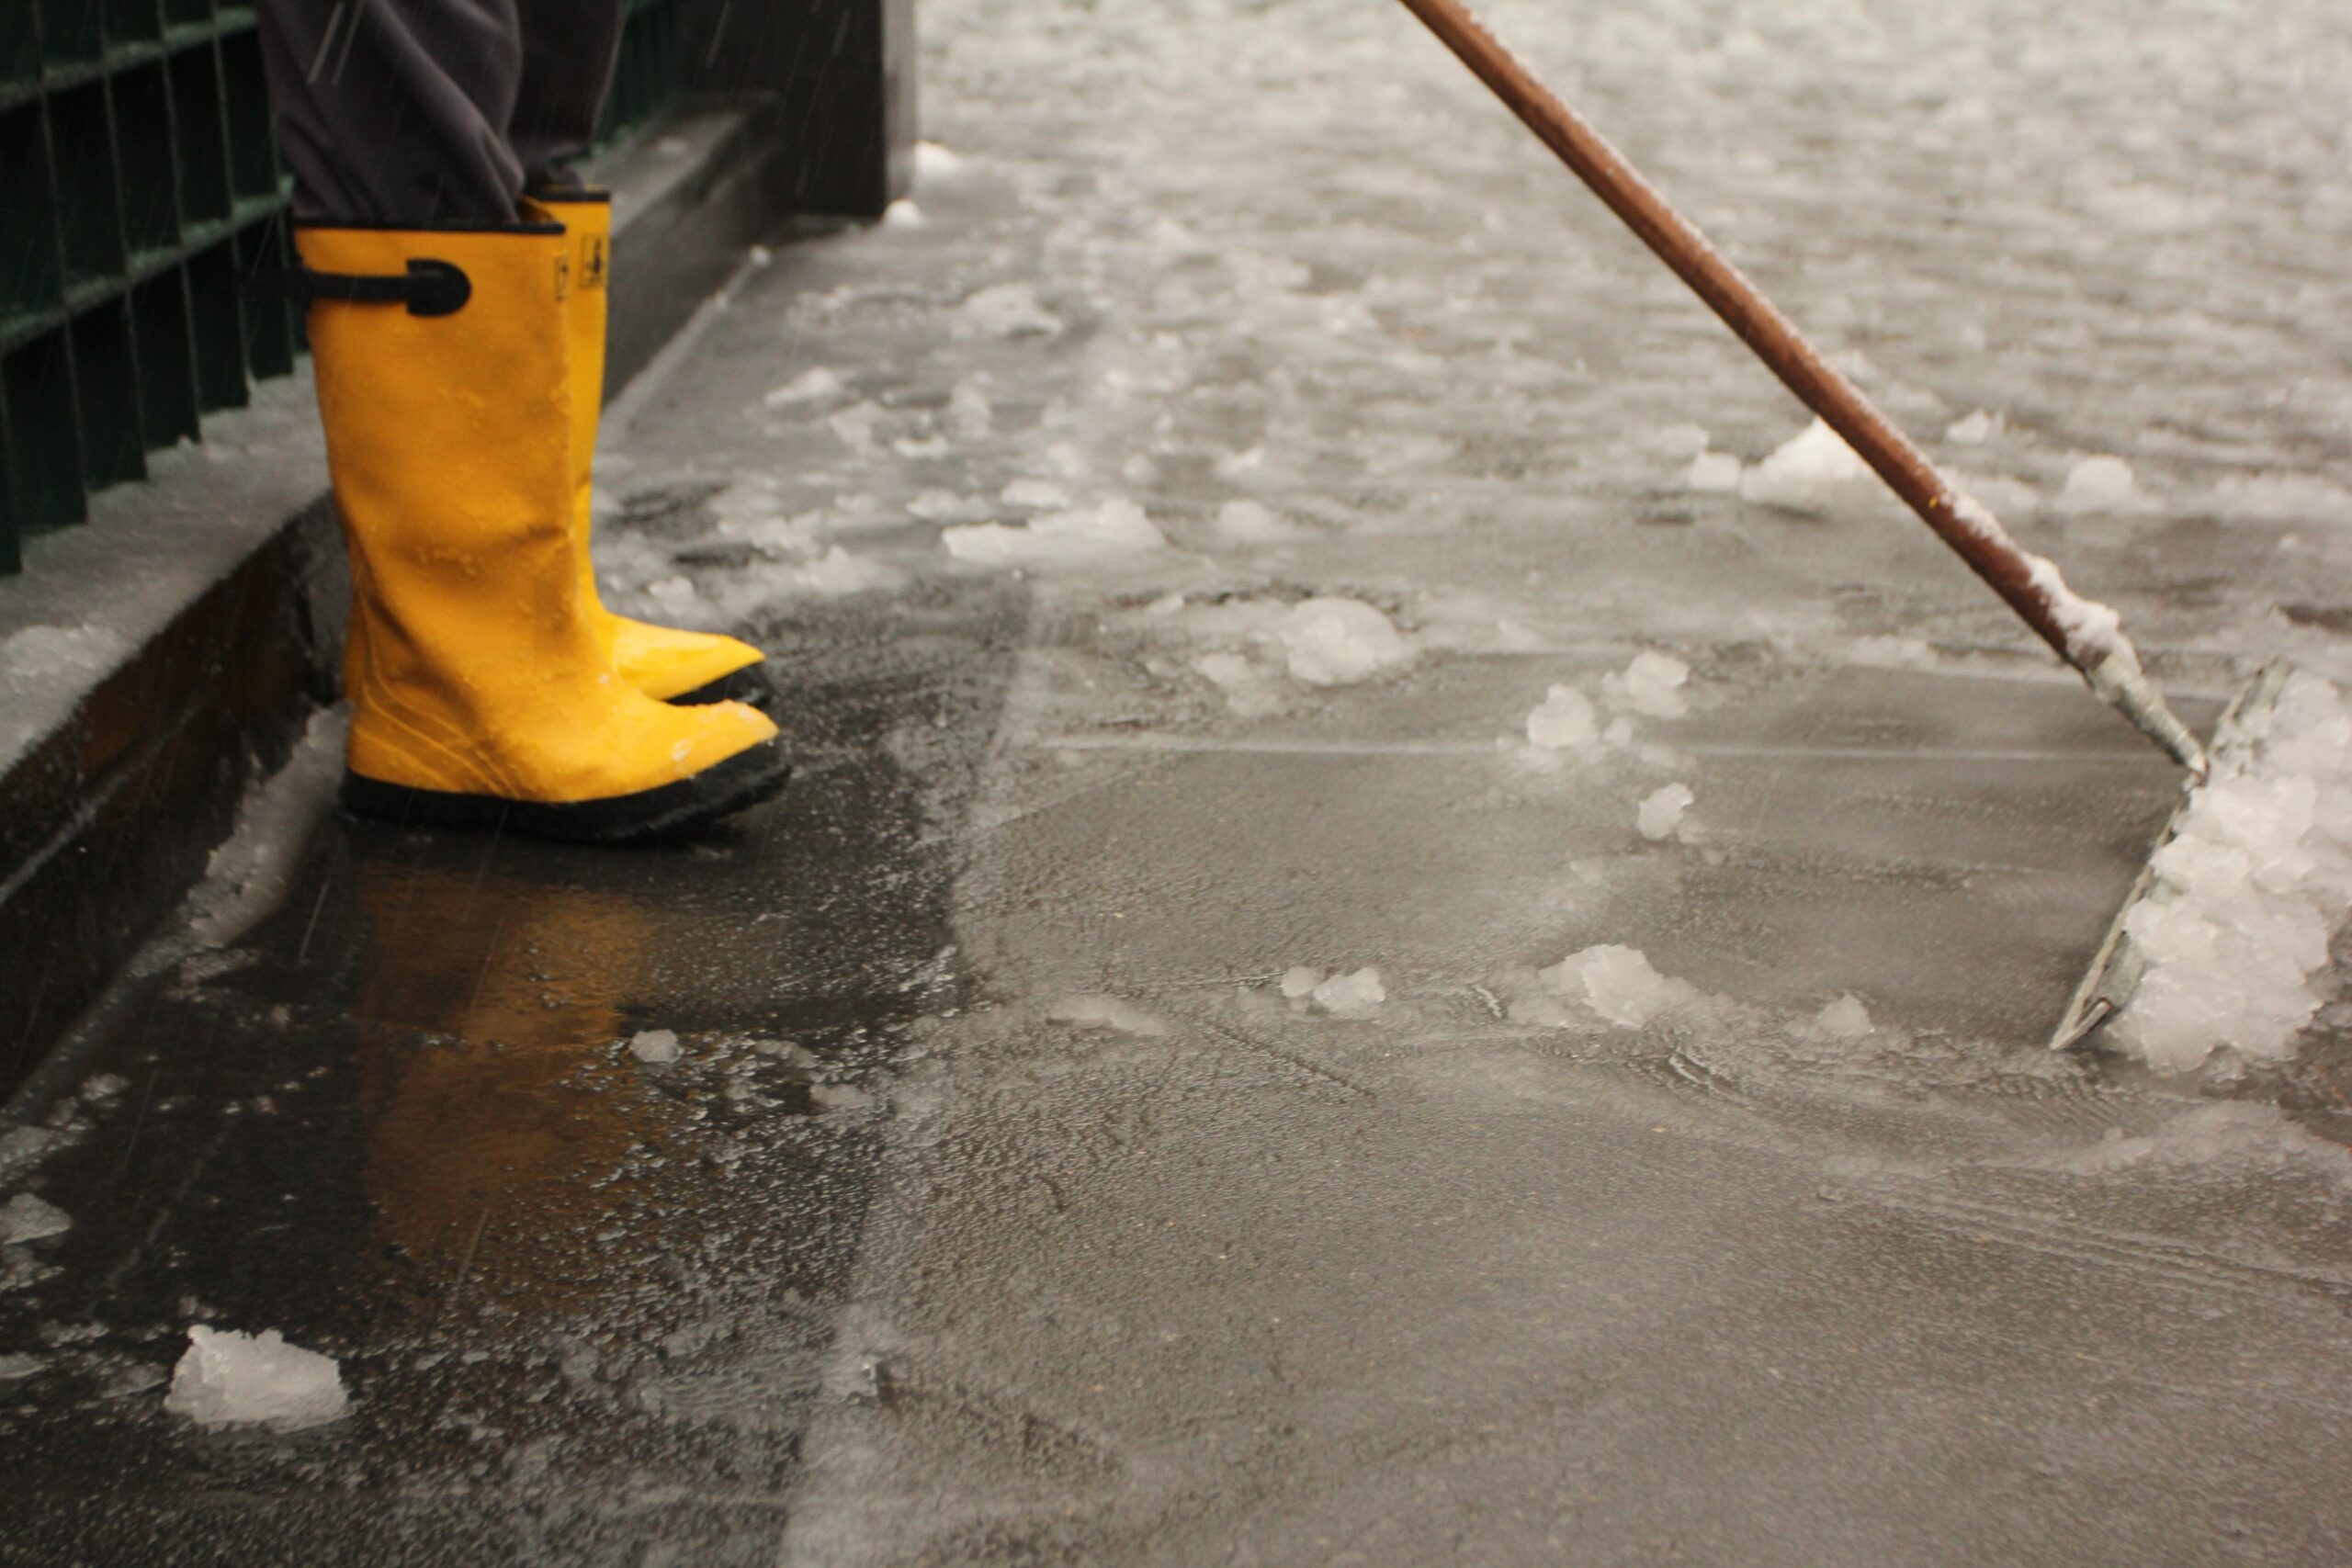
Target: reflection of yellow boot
[(498, 1128), (662, 661), (480, 694)]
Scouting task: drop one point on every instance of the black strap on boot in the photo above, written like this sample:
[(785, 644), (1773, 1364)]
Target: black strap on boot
[(429, 289)]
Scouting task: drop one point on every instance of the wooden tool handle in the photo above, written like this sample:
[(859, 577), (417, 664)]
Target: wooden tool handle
[(1968, 529)]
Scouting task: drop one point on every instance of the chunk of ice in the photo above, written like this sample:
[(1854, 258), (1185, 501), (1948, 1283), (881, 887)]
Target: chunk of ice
[(2228, 1134), (655, 1046), (933, 161), (1565, 718), (1714, 473), (1034, 492), (25, 1218), (1661, 814), (902, 214), (946, 506), (1337, 642), (2099, 484), (970, 415), (1845, 1019), (1812, 473), (811, 386), (1082, 537), (1973, 429), (1252, 524), (226, 1377), (1251, 691), (2246, 896), (1651, 685), (1349, 996), (1618, 984), (1005, 310), (838, 572), (855, 426), (1106, 1012)]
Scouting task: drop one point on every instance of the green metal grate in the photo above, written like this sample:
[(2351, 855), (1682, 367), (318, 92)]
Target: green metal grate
[(139, 182), (651, 70)]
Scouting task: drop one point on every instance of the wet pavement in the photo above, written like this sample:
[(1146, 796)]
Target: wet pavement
[(1000, 1207), (399, 1119)]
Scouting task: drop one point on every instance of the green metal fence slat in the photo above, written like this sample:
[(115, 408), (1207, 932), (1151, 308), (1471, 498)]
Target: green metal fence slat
[(217, 324), (201, 138), (268, 325), (105, 384), (165, 342), (139, 186), (32, 270), (44, 436)]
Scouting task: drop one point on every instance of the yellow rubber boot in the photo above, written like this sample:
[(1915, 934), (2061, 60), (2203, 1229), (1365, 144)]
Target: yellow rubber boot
[(480, 692), (662, 661)]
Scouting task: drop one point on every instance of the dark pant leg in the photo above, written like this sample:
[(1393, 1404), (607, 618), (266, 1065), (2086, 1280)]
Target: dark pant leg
[(396, 111), (569, 48)]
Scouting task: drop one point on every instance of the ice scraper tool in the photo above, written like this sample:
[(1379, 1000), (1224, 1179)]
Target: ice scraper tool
[(2085, 633)]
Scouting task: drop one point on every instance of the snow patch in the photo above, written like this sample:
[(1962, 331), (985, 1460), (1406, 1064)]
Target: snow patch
[(1651, 685), (933, 161), (1714, 473), (49, 653), (811, 386), (1618, 985), (1082, 536), (227, 1379), (2099, 484), (1006, 310), (1845, 1019), (1892, 653), (1662, 813), (251, 873), (1342, 996), (1350, 996), (656, 1047), (970, 415), (946, 506), (1250, 691), (1338, 642), (2281, 498), (1248, 523), (1973, 429), (1564, 719), (1034, 492), (25, 1218), (1106, 1012), (838, 572), (2234, 933), (2226, 1134), (1814, 472)]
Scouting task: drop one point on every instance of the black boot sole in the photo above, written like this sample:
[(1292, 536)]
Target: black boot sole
[(746, 685), (651, 815)]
